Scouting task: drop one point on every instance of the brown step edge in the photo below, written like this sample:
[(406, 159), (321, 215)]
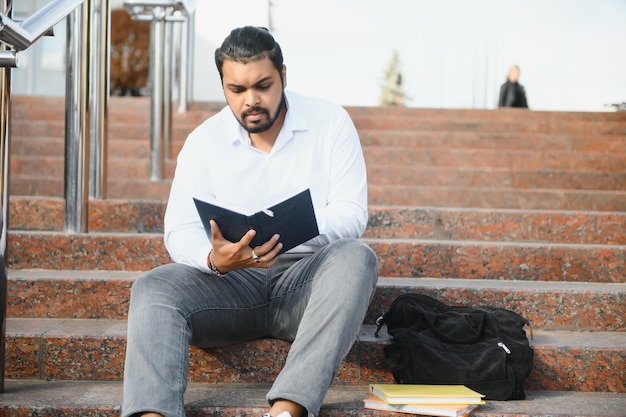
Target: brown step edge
[(135, 170), (573, 306), (117, 188), (501, 260), (39, 130), (415, 175), (398, 257), (120, 109), (547, 305), (133, 133), (497, 197), (120, 169), (91, 349), (585, 227), (103, 399), (47, 138), (383, 195), (554, 141), (505, 114), (497, 158), (447, 223), (515, 160), (43, 107), (496, 125)]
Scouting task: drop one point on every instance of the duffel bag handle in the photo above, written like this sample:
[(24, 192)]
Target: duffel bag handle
[(445, 333), (450, 324)]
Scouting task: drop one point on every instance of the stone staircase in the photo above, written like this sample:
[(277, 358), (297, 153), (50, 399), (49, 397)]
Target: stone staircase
[(523, 210)]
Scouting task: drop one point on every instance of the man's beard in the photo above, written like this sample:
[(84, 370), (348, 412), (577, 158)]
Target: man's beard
[(262, 127)]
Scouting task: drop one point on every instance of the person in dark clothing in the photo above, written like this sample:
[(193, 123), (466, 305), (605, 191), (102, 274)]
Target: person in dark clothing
[(512, 94)]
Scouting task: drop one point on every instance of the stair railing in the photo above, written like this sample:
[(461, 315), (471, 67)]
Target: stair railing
[(160, 14), (8, 59), (87, 20)]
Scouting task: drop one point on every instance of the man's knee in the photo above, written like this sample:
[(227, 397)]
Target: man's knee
[(158, 283), (356, 254), (147, 282), (356, 263)]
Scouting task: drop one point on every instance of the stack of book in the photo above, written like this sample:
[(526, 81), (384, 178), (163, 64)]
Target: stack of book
[(429, 400)]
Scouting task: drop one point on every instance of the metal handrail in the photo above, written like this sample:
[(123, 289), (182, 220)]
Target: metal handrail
[(21, 35), (5, 142), (86, 102), (83, 66), (173, 10), (161, 14)]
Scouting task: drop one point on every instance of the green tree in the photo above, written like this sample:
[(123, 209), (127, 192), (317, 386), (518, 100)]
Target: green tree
[(392, 93)]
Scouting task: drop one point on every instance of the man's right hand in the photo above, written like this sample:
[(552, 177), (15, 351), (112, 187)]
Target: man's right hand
[(228, 256)]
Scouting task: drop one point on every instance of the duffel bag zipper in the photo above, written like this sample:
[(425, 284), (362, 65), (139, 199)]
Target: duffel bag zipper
[(503, 346)]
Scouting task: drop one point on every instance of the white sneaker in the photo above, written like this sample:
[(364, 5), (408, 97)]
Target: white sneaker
[(283, 414)]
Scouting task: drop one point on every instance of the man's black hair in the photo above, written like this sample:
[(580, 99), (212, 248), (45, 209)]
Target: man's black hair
[(247, 44)]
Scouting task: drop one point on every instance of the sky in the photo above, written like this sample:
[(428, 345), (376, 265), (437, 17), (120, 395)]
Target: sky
[(456, 53)]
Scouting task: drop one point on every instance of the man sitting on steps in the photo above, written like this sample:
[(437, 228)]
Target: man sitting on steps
[(264, 143)]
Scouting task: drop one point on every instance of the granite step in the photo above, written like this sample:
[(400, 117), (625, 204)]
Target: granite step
[(492, 177), (93, 349), (31, 137), (405, 195), (120, 109), (497, 158), (53, 167), (434, 181), (133, 108), (575, 306), (117, 188), (131, 132), (527, 160), (459, 139), (497, 197), (55, 146), (398, 257), (451, 123), (488, 120), (131, 119), (47, 165), (103, 399), (447, 223), (504, 225), (25, 130), (503, 114)]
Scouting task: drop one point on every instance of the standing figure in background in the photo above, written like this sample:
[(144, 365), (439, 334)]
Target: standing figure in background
[(512, 94)]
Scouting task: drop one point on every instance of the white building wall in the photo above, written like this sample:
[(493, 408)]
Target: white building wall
[(453, 53)]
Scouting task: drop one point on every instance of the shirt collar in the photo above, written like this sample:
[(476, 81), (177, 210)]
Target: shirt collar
[(294, 122)]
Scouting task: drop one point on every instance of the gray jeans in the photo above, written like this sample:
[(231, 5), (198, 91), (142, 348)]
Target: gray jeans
[(318, 301)]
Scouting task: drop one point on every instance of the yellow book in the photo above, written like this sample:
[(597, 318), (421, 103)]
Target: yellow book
[(440, 410), (426, 394)]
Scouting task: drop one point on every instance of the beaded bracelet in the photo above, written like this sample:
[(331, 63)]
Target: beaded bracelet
[(212, 266)]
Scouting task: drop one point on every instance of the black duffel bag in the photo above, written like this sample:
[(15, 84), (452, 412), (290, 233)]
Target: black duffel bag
[(484, 348)]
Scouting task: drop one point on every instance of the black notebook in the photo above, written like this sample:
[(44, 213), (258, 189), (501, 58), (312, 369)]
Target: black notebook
[(293, 219)]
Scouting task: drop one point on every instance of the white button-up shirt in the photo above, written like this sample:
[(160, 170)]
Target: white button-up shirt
[(317, 148)]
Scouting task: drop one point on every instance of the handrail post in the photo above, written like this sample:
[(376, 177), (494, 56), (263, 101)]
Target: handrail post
[(99, 96), (157, 69), (5, 124), (161, 14), (186, 38), (168, 79), (77, 121)]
